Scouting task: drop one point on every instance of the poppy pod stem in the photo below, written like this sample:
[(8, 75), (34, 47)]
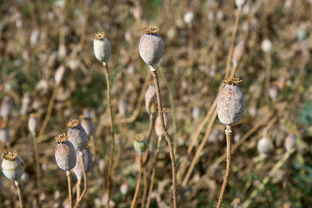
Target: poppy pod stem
[(85, 179), (109, 108), (137, 186), (167, 137), (18, 187), (70, 193), (228, 133)]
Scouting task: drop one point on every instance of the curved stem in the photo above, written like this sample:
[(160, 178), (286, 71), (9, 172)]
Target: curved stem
[(78, 189), (70, 193), (150, 190), (19, 193), (85, 179), (109, 108), (137, 186), (228, 133), (167, 137)]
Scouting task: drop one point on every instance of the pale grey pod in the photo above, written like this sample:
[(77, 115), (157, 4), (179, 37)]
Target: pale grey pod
[(230, 104), (151, 46), (6, 107), (101, 47), (77, 135), (12, 166), (65, 154), (4, 135), (33, 124), (290, 142), (158, 127), (87, 125), (264, 146), (78, 170), (150, 100)]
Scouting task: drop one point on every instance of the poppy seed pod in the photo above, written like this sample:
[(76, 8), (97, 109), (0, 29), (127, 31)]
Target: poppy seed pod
[(158, 127), (151, 100), (65, 154), (33, 124), (230, 102), (238, 52), (264, 146), (77, 135), (151, 46), (86, 124), (6, 107), (139, 143), (78, 170), (59, 75), (290, 142), (12, 166), (101, 47)]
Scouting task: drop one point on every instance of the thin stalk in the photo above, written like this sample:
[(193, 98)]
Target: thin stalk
[(79, 182), (37, 164), (85, 179), (145, 187), (137, 186), (109, 108), (150, 190), (70, 192), (167, 137), (19, 193), (228, 133)]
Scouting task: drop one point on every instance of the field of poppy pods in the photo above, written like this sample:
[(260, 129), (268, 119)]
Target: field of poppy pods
[(156, 104)]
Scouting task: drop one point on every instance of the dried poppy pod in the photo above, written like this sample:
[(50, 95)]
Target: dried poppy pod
[(78, 170), (77, 135), (33, 124), (151, 99), (6, 107), (158, 127), (264, 146), (65, 154), (290, 142), (230, 102), (139, 143), (12, 166), (151, 46), (238, 52), (87, 124), (101, 47)]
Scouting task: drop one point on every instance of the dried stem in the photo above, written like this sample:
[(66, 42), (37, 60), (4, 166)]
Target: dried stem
[(167, 137), (78, 189), (137, 186), (145, 187), (37, 164), (109, 108), (228, 133), (150, 190), (85, 179), (19, 193), (70, 193)]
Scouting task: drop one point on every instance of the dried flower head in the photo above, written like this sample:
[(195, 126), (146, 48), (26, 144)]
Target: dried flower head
[(61, 138), (101, 47), (151, 46), (65, 154), (12, 166), (233, 80), (77, 135)]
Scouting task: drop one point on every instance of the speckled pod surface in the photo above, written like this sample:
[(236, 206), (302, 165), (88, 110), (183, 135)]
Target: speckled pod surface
[(230, 104), (102, 49), (13, 169), (87, 157), (78, 137), (65, 155), (151, 48), (264, 146), (151, 100)]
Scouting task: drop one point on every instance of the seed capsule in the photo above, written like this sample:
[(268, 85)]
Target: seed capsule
[(33, 124), (290, 142), (139, 143), (238, 52), (160, 131), (12, 166), (101, 47), (77, 135), (264, 146), (65, 154), (151, 46), (78, 170), (6, 107), (151, 100), (87, 124), (230, 102)]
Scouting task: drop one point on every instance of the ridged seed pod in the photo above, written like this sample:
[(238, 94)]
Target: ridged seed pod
[(151, 46), (78, 171), (139, 143), (230, 102), (65, 154), (290, 142), (151, 99), (12, 166), (264, 146), (77, 135), (33, 124), (101, 47)]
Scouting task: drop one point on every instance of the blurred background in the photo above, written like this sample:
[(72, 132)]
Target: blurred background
[(47, 64)]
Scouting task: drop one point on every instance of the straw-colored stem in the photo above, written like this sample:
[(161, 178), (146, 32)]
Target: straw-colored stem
[(78, 189), (19, 193), (110, 114), (37, 165), (145, 188), (268, 72), (150, 190), (70, 192), (137, 186), (93, 144), (150, 128), (228, 133), (167, 137), (85, 179)]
